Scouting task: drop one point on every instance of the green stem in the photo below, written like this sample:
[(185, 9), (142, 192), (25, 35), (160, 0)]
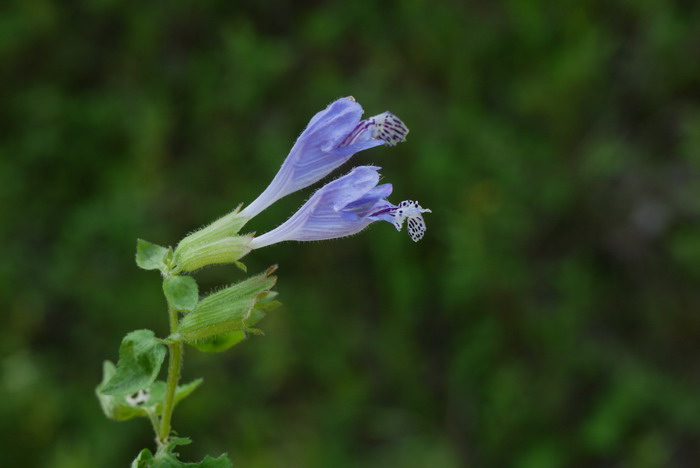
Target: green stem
[(155, 422), (173, 378)]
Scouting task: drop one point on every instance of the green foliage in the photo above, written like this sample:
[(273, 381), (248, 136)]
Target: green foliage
[(181, 292), (167, 458), (140, 357), (151, 256), (157, 393), (228, 310), (118, 408), (115, 406)]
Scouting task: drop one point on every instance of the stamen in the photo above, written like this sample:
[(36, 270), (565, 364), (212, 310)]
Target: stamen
[(385, 210)]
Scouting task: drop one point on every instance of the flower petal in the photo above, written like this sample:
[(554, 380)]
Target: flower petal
[(330, 139)]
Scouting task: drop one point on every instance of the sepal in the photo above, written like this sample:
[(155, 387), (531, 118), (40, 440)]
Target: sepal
[(226, 226), (216, 243), (228, 310), (219, 343), (191, 257)]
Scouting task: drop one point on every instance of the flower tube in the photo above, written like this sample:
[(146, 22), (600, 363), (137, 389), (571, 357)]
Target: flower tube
[(329, 140), (345, 207)]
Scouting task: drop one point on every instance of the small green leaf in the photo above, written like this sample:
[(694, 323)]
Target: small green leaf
[(228, 310), (140, 357), (150, 256), (116, 407), (157, 393), (168, 458), (221, 462), (143, 460), (181, 292), (124, 407)]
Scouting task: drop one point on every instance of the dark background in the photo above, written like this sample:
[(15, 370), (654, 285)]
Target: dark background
[(549, 318)]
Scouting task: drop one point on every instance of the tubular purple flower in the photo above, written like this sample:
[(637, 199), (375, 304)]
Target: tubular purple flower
[(345, 207), (330, 139)]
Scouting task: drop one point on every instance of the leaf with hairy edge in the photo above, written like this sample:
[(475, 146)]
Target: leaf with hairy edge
[(143, 460), (151, 256), (168, 458), (140, 357), (181, 292), (124, 407), (116, 407)]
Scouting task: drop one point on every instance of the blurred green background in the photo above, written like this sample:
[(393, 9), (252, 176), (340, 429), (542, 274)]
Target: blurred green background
[(549, 318)]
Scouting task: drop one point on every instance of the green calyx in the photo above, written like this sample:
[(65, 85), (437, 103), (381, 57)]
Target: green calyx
[(218, 242), (231, 310), (190, 256), (226, 226)]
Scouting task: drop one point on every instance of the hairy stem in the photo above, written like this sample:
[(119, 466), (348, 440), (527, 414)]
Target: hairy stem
[(173, 378)]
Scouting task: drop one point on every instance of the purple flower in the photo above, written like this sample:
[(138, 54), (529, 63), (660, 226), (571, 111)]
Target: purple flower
[(345, 207), (331, 138)]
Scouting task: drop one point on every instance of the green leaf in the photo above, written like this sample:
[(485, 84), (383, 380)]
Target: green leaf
[(143, 460), (221, 462), (168, 458), (228, 310), (140, 357), (124, 407), (157, 393), (116, 407), (181, 292), (150, 256)]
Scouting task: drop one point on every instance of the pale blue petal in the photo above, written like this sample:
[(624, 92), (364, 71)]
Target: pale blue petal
[(338, 209), (332, 137)]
